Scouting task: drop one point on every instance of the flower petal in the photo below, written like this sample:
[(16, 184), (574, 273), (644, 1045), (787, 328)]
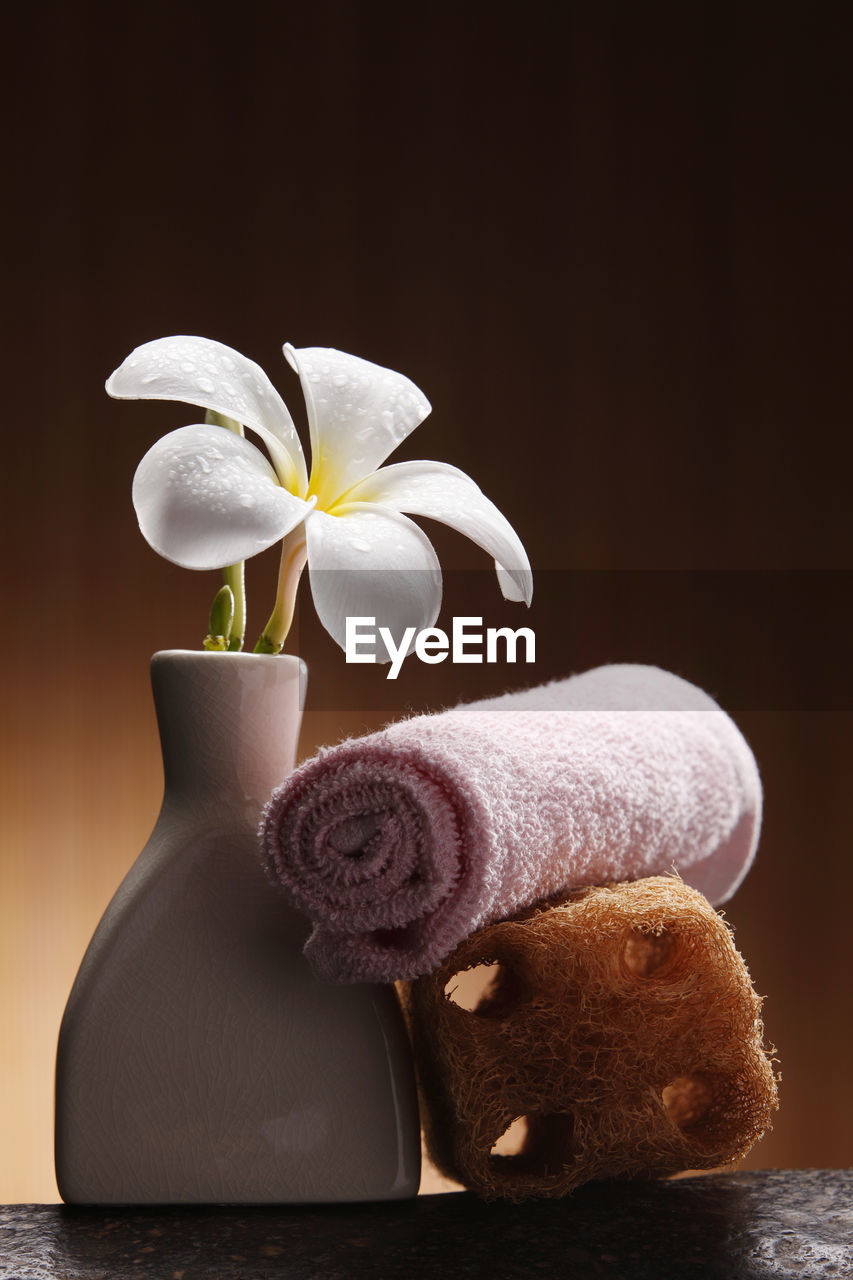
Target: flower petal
[(207, 373), (442, 492), (509, 586), (358, 413), (366, 562), (206, 498)]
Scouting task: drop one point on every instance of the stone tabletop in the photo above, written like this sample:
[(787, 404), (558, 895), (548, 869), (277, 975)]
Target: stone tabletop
[(734, 1226)]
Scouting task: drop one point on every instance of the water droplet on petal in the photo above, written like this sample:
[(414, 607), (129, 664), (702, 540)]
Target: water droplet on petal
[(358, 545), (150, 377), (187, 366), (205, 385)]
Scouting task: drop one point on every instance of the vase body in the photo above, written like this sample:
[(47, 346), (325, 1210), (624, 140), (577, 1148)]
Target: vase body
[(199, 1060)]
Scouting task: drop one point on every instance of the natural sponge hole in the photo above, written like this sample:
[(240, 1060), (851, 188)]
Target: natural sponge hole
[(645, 954), (687, 1100), (489, 990), (538, 1144), (710, 1111), (512, 1140)]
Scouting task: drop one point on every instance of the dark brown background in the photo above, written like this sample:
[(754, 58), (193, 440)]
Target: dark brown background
[(611, 244)]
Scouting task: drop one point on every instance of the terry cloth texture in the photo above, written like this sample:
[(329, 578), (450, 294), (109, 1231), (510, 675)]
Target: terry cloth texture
[(400, 844), (614, 1035)]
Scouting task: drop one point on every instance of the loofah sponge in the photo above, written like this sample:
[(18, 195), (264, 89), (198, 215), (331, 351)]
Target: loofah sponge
[(615, 1034)]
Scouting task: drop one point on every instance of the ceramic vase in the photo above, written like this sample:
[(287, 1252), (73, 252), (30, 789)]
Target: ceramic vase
[(199, 1060)]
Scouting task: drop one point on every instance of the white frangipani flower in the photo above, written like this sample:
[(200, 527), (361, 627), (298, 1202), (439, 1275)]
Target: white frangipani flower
[(207, 498)]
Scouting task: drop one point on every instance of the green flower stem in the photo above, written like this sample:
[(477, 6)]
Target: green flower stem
[(233, 575), (294, 554), (221, 621)]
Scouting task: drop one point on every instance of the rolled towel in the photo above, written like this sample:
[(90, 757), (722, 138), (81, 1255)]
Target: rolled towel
[(400, 844)]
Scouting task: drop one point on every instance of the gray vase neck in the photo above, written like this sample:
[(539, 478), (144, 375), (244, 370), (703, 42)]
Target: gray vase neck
[(229, 725)]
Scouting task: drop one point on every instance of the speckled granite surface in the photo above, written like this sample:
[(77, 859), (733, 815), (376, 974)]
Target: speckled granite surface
[(725, 1226)]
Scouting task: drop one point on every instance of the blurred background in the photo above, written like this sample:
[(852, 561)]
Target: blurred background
[(612, 244)]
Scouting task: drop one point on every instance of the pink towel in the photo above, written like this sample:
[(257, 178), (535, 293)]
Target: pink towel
[(400, 844)]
